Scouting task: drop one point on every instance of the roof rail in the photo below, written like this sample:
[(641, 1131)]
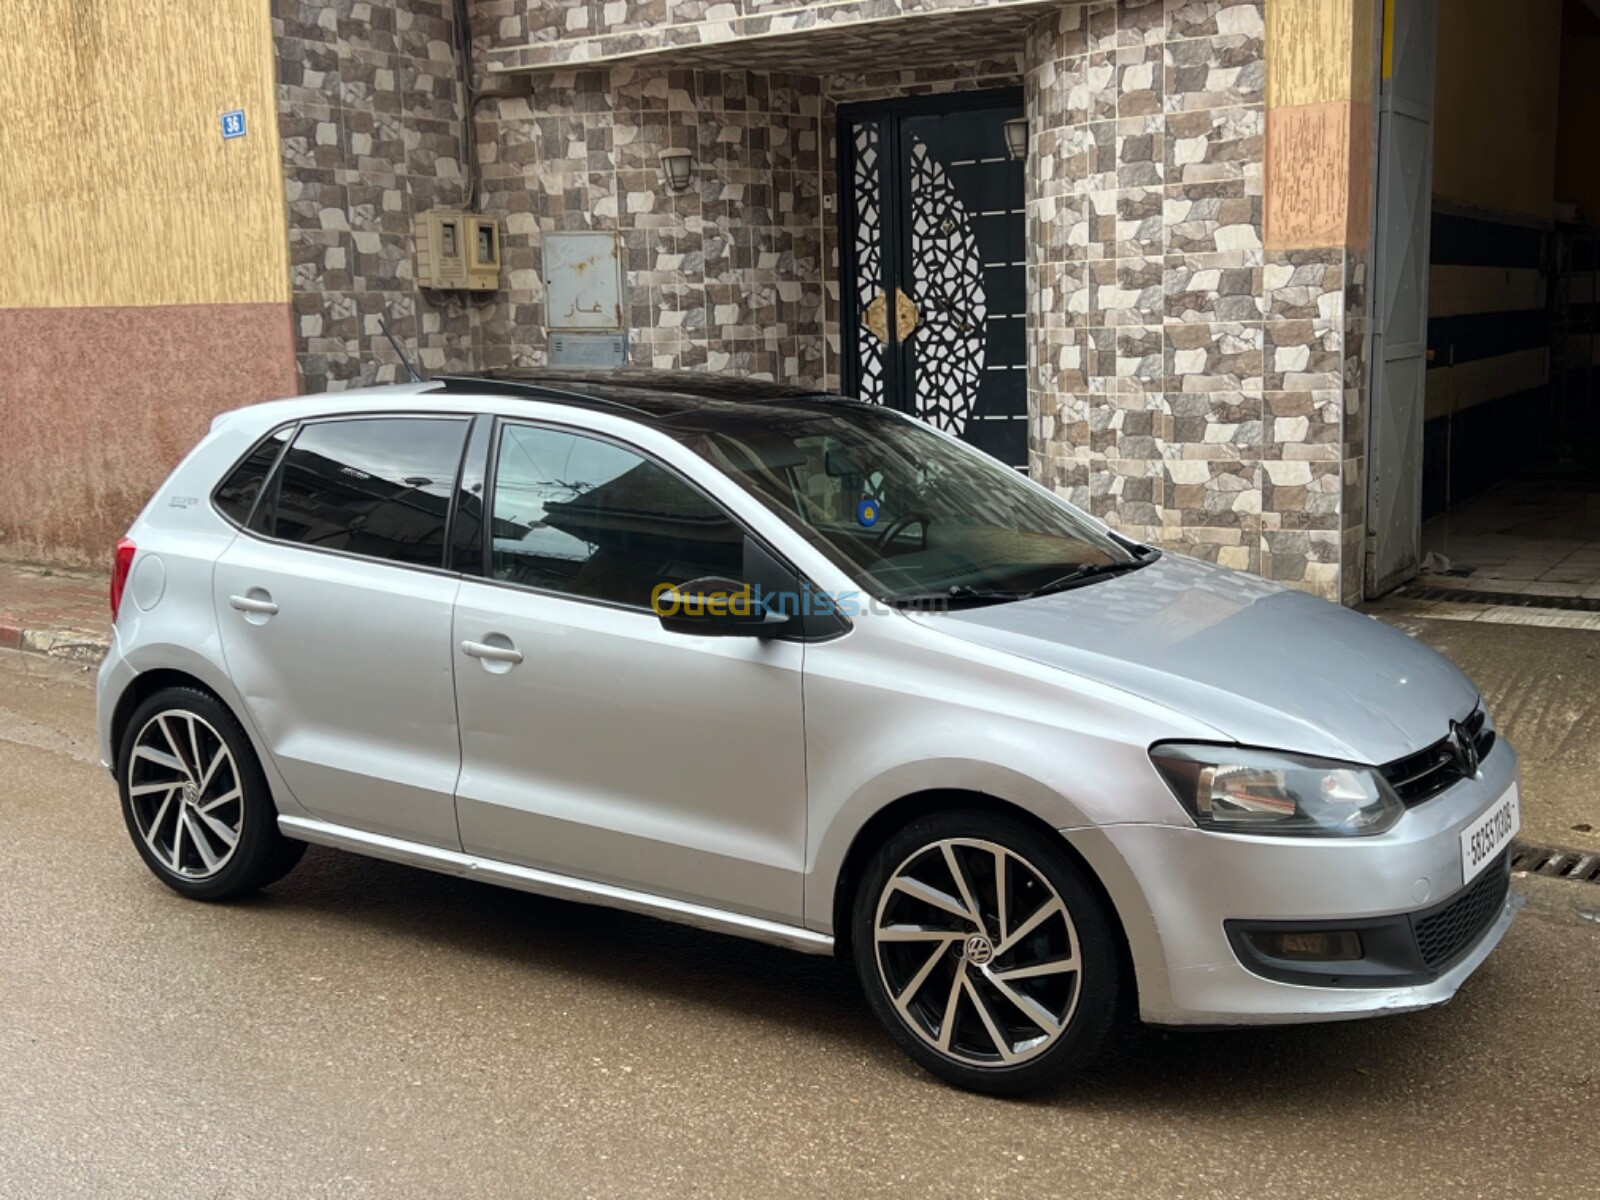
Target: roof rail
[(529, 389)]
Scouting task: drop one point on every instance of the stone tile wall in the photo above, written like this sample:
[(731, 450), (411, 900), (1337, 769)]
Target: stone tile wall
[(525, 34), (1187, 385), (727, 275), (1191, 380), (369, 122)]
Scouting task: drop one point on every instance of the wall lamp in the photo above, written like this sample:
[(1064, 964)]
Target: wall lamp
[(1017, 137), (677, 165)]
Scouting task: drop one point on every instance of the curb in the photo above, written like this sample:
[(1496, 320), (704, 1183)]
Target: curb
[(72, 645)]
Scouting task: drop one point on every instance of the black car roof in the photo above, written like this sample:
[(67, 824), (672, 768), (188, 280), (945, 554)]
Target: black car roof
[(641, 392)]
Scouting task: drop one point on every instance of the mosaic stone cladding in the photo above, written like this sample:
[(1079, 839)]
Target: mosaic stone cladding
[(1186, 384), (725, 276), (368, 115), (791, 35)]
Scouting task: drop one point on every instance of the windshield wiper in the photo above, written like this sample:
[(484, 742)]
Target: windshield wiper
[(963, 595), (1088, 571)]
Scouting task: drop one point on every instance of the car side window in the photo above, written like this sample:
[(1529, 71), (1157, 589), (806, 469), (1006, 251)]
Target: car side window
[(236, 495), (589, 518), (379, 487)]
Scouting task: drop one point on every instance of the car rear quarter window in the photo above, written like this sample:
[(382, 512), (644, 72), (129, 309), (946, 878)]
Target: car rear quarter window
[(374, 486), (589, 518), (236, 495)]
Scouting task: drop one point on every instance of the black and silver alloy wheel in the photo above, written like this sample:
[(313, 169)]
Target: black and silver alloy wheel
[(978, 952), (986, 952), (195, 800), (185, 793)]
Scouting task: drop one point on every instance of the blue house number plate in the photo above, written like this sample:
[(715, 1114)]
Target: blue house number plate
[(233, 124)]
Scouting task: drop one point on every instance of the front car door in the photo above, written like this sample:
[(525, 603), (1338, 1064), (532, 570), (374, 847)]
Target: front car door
[(334, 610), (595, 743)]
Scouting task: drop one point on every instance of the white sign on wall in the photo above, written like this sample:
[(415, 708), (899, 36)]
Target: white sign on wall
[(582, 281)]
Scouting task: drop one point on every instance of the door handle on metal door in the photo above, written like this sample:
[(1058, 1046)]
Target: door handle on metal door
[(250, 604), (505, 654)]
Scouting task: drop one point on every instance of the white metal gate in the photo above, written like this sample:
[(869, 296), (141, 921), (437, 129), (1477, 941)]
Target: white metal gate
[(1400, 294)]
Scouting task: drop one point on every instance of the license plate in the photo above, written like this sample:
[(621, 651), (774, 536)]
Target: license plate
[(1482, 841)]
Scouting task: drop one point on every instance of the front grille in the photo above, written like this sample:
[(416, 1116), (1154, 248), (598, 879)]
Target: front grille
[(1423, 775), (1446, 933)]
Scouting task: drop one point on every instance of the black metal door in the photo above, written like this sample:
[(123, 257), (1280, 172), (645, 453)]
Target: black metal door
[(933, 262)]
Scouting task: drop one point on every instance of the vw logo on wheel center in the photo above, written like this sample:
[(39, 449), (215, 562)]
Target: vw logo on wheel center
[(979, 950)]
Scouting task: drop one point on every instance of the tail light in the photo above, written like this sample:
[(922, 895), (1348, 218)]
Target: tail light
[(119, 573)]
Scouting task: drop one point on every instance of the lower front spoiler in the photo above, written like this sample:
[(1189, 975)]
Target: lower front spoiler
[(1273, 1003)]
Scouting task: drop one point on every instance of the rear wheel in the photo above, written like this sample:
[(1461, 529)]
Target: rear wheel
[(195, 800), (986, 953)]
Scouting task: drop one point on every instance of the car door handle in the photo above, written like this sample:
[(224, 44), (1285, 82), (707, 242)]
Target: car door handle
[(505, 654), (250, 604)]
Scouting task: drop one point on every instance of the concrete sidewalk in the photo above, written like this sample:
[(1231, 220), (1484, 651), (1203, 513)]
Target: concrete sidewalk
[(46, 610)]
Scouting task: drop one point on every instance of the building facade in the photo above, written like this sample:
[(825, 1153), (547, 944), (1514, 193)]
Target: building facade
[(1155, 302)]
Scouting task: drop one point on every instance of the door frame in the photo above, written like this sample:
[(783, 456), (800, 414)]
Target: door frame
[(889, 109), (1388, 183)]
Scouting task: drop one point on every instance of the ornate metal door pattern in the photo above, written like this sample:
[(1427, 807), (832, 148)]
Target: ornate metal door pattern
[(934, 299)]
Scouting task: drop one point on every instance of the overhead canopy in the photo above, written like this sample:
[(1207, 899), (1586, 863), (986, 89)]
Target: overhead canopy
[(805, 40)]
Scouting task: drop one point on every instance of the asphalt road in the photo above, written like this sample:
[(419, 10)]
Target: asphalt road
[(367, 1030)]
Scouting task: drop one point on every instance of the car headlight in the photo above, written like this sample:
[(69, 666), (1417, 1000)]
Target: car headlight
[(1262, 791)]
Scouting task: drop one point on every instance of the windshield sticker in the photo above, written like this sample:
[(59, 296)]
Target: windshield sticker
[(867, 513)]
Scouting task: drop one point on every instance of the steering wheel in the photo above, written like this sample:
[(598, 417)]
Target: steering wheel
[(915, 517)]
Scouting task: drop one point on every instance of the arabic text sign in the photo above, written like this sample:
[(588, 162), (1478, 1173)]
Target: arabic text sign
[(583, 281)]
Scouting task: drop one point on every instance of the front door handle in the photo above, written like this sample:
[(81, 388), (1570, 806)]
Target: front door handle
[(505, 654), (252, 604)]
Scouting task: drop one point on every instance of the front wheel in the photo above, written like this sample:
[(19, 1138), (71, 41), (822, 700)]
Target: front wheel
[(986, 953), (195, 800)]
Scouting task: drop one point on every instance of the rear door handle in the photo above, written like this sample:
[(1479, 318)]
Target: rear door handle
[(505, 654), (249, 604)]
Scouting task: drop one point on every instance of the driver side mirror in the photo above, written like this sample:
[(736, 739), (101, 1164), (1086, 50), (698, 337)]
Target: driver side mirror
[(713, 607)]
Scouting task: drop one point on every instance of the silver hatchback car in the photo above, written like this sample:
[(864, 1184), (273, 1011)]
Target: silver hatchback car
[(805, 670)]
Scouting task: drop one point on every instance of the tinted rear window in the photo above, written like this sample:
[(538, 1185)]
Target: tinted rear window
[(237, 494), (378, 487)]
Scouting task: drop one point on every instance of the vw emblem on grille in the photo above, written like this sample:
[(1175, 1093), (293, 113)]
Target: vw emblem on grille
[(979, 950), (1465, 750)]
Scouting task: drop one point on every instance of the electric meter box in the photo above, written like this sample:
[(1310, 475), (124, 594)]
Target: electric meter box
[(458, 250)]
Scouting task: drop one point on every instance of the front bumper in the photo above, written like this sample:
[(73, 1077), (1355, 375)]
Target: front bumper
[(1177, 887)]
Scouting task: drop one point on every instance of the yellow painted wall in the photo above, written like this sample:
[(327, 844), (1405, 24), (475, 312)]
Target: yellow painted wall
[(1578, 143), (1496, 100), (116, 187)]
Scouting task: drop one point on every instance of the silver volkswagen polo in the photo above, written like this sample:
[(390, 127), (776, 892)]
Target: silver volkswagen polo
[(795, 668)]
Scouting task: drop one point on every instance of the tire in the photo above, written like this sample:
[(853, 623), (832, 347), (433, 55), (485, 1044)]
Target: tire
[(189, 778), (935, 953)]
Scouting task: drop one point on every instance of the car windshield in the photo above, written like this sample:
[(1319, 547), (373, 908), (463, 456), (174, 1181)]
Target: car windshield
[(909, 513)]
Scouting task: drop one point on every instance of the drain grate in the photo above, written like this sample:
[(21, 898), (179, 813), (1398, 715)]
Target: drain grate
[(1581, 866), (1508, 599)]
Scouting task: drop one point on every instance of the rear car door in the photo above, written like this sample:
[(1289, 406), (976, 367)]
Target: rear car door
[(334, 610), (595, 743)]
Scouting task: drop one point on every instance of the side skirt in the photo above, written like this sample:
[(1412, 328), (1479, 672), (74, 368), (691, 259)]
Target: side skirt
[(547, 883)]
